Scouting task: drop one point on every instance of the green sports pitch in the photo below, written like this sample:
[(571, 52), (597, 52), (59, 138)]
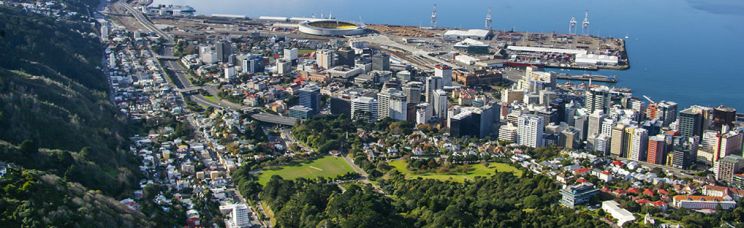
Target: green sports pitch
[(327, 167)]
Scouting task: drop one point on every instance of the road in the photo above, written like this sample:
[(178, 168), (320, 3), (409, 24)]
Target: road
[(143, 20)]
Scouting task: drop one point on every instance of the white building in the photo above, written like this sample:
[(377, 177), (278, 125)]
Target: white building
[(230, 73), (392, 104), (440, 104), (239, 215), (444, 72), (423, 114), (621, 215), (508, 133), (364, 108), (290, 54), (325, 58), (283, 67), (638, 144), (476, 34), (530, 130), (207, 54)]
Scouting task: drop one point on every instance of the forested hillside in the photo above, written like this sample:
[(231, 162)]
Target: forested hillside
[(60, 135), (53, 96)]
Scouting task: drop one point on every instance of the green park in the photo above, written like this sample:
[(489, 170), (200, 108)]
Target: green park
[(326, 167), (474, 170)]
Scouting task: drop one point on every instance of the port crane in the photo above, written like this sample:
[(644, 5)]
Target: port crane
[(585, 23), (489, 19), (434, 16), (572, 26)]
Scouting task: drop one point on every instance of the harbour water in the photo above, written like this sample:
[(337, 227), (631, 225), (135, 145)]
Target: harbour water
[(687, 51)]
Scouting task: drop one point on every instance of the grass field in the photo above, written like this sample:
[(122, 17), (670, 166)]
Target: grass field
[(211, 98), (478, 170), (327, 167)]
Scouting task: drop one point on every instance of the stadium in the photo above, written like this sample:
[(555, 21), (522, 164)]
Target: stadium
[(327, 27)]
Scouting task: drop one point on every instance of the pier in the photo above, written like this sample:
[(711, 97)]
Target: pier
[(588, 77)]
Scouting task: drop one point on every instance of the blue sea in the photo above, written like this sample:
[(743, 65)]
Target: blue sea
[(687, 51)]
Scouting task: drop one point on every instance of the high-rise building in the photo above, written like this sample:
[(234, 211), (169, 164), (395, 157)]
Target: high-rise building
[(364, 108), (617, 143), (530, 130), (657, 149), (666, 111), (508, 133), (346, 57), (326, 59), (423, 114), (439, 104), (290, 55), (310, 97), (723, 115), (581, 123), (444, 72), (392, 104), (223, 50), (727, 143), (684, 152), (597, 99), (432, 84), (690, 123), (252, 64), (341, 106), (230, 73), (239, 216), (637, 143), (283, 67), (381, 61), (412, 90), (300, 112), (594, 126), (207, 54), (727, 167)]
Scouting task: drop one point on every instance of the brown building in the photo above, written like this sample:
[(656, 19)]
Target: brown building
[(476, 77)]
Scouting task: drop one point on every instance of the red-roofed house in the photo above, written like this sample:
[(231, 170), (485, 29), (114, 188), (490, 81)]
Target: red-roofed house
[(581, 180), (581, 171), (605, 176), (642, 201), (618, 163), (663, 192), (618, 192), (648, 192), (633, 191), (712, 190)]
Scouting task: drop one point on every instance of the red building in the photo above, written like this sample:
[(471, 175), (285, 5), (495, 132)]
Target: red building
[(656, 150)]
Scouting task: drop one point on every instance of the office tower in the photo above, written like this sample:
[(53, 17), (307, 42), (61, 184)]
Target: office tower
[(423, 113), (252, 64), (723, 115), (346, 57), (727, 167), (597, 99), (439, 104), (444, 72), (570, 138), (223, 50), (666, 111), (684, 152), (465, 123), (240, 216), (581, 124), (290, 55), (508, 133), (412, 90), (690, 123), (341, 106), (607, 125), (364, 109), (300, 112), (326, 59), (638, 144), (432, 84), (594, 126), (656, 149), (392, 104), (602, 143), (283, 67), (207, 54), (381, 62), (617, 142), (310, 97), (530, 130), (727, 143), (572, 196), (230, 73)]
